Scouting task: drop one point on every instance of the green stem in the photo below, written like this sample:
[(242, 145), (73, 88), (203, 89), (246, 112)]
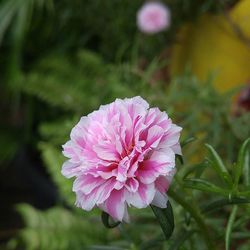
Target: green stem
[(195, 213), (217, 204), (230, 226)]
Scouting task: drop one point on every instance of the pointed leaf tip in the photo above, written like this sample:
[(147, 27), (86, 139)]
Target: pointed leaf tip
[(165, 217)]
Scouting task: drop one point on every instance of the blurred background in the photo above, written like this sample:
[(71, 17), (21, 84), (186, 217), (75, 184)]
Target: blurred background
[(60, 60)]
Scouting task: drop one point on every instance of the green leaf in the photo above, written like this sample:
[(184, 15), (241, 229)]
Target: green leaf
[(242, 163), (219, 167), (230, 226), (18, 13), (187, 141), (197, 169), (245, 193), (220, 203), (53, 159), (106, 223), (165, 217), (180, 158), (57, 228), (205, 186)]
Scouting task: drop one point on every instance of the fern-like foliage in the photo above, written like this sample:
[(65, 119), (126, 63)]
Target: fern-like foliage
[(53, 159), (56, 229), (77, 84), (57, 132)]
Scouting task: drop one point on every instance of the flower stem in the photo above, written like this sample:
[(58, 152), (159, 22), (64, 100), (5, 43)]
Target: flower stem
[(195, 213)]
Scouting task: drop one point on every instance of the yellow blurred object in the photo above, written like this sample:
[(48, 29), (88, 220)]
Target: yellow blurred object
[(212, 45)]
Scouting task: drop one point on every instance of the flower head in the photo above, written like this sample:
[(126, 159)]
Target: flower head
[(122, 155), (153, 17)]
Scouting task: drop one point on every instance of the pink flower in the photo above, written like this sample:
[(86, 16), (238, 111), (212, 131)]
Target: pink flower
[(122, 155), (153, 17)]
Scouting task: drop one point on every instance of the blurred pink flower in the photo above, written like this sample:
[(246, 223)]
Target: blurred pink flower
[(153, 17), (122, 155)]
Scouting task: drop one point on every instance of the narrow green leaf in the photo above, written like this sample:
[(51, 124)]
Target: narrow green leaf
[(165, 217), (220, 203), (180, 158), (246, 169), (219, 167), (195, 213), (106, 223), (187, 141), (230, 226), (205, 186), (245, 193), (7, 12), (240, 222), (197, 169), (242, 163)]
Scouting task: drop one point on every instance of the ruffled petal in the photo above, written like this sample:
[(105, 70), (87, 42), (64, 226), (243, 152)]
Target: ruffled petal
[(160, 200), (143, 197), (70, 169)]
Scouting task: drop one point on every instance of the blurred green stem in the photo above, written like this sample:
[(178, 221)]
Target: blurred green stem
[(230, 226), (195, 213)]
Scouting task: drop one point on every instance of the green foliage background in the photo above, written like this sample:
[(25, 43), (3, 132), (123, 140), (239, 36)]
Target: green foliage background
[(62, 59)]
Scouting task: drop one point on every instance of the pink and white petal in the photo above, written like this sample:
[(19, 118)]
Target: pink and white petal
[(163, 121), (94, 132), (87, 183), (106, 175), (78, 137), (71, 150), (97, 196), (132, 185), (160, 200), (141, 101), (150, 170), (105, 190), (162, 183), (70, 169), (138, 100), (126, 215), (125, 119), (175, 129), (123, 169), (171, 137), (147, 176), (150, 117), (118, 145), (165, 156), (115, 205), (177, 149), (132, 169), (118, 185), (155, 134), (80, 129), (102, 169), (86, 202), (136, 110), (143, 197), (106, 152)]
